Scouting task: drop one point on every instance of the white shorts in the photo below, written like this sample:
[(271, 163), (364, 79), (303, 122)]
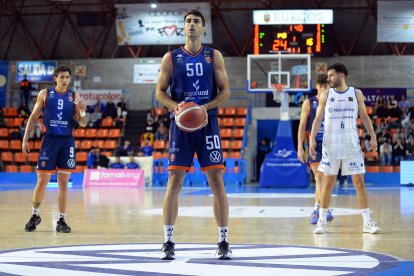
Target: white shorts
[(348, 166)]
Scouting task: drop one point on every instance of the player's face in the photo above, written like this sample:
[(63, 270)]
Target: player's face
[(321, 87), (193, 26), (62, 80), (334, 79)]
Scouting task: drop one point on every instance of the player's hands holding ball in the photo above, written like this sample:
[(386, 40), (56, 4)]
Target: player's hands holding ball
[(206, 114), (190, 116)]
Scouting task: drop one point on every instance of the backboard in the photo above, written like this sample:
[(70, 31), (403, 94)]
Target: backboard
[(292, 70)]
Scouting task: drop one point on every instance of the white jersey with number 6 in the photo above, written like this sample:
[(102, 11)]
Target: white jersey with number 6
[(340, 139)]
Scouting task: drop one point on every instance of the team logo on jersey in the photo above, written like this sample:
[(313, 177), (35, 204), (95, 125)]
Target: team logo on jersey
[(43, 164), (215, 156), (207, 56), (172, 157), (315, 104), (43, 156), (179, 58), (60, 116), (351, 99), (196, 84), (332, 99), (70, 98), (71, 163), (353, 164)]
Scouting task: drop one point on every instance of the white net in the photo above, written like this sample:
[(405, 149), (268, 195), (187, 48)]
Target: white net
[(279, 94)]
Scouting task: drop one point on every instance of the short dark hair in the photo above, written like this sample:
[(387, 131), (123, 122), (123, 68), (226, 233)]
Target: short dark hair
[(196, 13), (322, 79), (339, 68), (62, 68)]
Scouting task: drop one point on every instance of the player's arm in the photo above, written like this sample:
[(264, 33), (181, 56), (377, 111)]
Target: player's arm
[(366, 121), (316, 125), (222, 82), (31, 122), (302, 129), (80, 108), (164, 78)]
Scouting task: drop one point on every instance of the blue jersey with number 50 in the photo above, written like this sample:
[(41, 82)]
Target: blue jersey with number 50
[(192, 76), (59, 112)]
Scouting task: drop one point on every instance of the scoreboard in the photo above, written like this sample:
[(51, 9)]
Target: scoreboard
[(293, 38)]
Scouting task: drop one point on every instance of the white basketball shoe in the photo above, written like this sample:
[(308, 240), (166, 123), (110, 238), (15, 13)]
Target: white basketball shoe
[(371, 227), (320, 227)]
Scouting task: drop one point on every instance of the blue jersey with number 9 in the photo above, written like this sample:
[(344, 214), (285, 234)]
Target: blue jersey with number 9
[(59, 112)]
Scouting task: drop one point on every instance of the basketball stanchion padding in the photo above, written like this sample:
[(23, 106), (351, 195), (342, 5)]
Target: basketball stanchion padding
[(190, 117)]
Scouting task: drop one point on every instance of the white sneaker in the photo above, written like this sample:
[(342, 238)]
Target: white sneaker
[(371, 227), (320, 227)]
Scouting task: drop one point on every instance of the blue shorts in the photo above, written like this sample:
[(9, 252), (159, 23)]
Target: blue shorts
[(318, 150), (57, 153), (205, 142)]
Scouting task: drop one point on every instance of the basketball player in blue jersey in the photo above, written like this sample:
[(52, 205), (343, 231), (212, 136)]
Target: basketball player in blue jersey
[(194, 73), (306, 119), (341, 105), (61, 107)]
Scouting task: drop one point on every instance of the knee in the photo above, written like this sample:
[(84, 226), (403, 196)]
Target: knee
[(359, 184), (318, 177), (217, 186), (174, 185)]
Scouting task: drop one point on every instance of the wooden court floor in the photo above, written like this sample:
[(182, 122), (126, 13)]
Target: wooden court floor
[(267, 217)]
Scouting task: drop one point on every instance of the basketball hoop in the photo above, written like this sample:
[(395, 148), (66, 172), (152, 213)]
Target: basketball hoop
[(278, 89), (279, 93)]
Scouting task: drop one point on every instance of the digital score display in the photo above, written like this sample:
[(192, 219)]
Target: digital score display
[(295, 39)]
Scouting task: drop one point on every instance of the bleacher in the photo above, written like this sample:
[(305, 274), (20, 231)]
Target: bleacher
[(106, 137), (372, 158)]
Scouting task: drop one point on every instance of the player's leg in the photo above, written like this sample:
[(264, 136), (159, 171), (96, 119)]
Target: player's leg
[(356, 168), (221, 211), (46, 165), (170, 212), (38, 197), (221, 204), (210, 157), (318, 192), (370, 226), (181, 156), (63, 180), (65, 164), (319, 183), (330, 169)]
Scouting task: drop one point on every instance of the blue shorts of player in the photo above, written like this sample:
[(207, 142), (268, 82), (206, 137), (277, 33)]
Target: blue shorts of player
[(205, 142), (57, 153), (318, 150)]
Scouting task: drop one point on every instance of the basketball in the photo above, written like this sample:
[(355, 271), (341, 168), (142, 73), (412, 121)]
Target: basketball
[(190, 117)]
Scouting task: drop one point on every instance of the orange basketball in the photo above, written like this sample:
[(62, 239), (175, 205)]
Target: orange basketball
[(190, 117)]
